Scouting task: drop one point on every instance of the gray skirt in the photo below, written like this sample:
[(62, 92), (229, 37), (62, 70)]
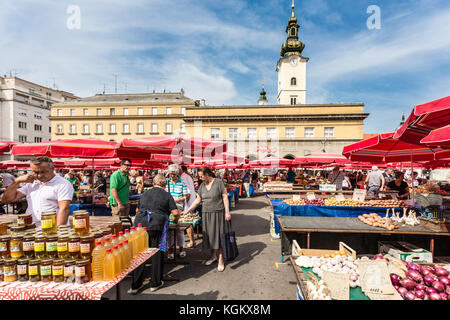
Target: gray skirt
[(213, 226)]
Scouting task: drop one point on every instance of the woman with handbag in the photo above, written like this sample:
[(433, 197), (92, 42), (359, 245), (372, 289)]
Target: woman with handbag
[(215, 214), (155, 207)]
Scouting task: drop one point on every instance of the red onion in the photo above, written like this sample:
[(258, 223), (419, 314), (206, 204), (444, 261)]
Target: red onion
[(427, 270), (439, 286), (396, 286), (426, 297), (378, 257), (430, 290), (402, 291), (410, 295), (445, 280), (428, 280), (408, 283), (420, 286), (447, 290), (415, 275), (414, 266), (441, 272), (443, 296), (435, 296), (395, 278), (420, 294)]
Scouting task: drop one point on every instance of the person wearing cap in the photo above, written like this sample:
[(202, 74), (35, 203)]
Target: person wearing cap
[(375, 182), (336, 177)]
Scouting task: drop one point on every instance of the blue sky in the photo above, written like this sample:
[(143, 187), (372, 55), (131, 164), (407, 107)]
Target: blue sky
[(220, 50)]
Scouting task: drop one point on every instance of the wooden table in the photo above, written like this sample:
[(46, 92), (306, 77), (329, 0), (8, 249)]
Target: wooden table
[(309, 225)]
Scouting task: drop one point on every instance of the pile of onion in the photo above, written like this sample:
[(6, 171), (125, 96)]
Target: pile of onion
[(423, 283)]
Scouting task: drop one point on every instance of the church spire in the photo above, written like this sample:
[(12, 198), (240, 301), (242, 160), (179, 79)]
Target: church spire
[(262, 101), (292, 46)]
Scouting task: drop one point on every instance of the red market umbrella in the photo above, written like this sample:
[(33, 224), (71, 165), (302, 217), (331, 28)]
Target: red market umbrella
[(437, 164), (271, 162), (438, 138), (5, 146), (14, 164), (383, 148), (424, 119), (83, 148), (321, 158)]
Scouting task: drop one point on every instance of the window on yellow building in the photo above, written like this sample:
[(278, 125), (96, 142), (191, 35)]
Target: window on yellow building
[(99, 112), (329, 132), (168, 110), (85, 128), (125, 111), (290, 132), (59, 128), (72, 112), (140, 128), (73, 128), (183, 127), (271, 133), (168, 127), (140, 112), (154, 128), (59, 112), (112, 128), (126, 128), (309, 132), (112, 112), (155, 111), (251, 133), (215, 133), (85, 112), (233, 133), (99, 128)]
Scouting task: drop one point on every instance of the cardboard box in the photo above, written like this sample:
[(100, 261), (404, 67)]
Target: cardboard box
[(405, 251)]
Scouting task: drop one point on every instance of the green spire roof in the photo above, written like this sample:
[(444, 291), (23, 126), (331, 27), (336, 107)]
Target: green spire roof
[(292, 46)]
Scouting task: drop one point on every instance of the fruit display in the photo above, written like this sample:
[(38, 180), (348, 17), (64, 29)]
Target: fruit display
[(189, 218), (278, 185), (375, 220), (382, 204), (347, 203), (335, 203), (292, 202)]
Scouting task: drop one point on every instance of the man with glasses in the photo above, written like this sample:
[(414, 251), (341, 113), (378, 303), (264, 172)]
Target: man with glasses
[(120, 190)]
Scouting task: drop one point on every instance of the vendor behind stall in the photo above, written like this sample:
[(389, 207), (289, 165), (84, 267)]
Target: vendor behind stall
[(399, 185), (44, 191)]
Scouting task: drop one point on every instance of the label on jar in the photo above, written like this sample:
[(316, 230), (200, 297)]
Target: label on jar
[(79, 223), (39, 247), (16, 247), (62, 247), (3, 247), (74, 246), (46, 271), (33, 270), (20, 221), (58, 270), (68, 271), (9, 271), (51, 246), (21, 269), (85, 248), (80, 271), (47, 224), (28, 246)]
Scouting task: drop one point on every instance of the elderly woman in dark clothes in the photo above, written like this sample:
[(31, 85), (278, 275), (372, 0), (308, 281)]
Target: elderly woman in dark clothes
[(215, 211)]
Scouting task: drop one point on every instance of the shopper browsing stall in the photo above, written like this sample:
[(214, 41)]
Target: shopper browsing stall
[(120, 190), (336, 177), (375, 181), (44, 191), (188, 202), (399, 185)]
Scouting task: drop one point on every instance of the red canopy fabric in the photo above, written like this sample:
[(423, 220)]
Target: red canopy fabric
[(5, 146), (84, 148), (438, 138), (424, 119), (13, 164), (271, 162), (437, 164), (384, 148), (321, 158)]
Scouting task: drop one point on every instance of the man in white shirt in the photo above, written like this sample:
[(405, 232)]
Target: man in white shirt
[(44, 191), (187, 203)]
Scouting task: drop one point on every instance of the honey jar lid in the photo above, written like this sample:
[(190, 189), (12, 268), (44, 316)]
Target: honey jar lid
[(35, 261), (23, 260)]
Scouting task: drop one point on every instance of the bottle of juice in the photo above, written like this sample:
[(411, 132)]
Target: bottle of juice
[(134, 241), (109, 266), (123, 257), (107, 244), (130, 242), (146, 240), (98, 261), (114, 241), (117, 261), (140, 237), (127, 251), (121, 237)]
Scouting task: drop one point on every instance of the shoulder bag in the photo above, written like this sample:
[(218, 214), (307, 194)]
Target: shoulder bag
[(229, 245)]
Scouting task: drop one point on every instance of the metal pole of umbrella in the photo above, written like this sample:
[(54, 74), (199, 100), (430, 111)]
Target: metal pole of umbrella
[(92, 190)]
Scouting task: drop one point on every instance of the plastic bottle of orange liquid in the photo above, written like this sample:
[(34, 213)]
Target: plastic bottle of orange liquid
[(146, 240), (141, 237), (114, 241), (128, 253), (108, 244), (121, 237), (130, 242), (123, 257), (134, 241), (109, 266), (117, 261), (98, 261)]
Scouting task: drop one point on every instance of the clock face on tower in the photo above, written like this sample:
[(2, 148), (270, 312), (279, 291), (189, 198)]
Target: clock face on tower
[(294, 62)]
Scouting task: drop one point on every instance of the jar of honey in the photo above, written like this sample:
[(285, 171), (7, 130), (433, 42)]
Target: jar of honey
[(86, 246), (31, 227), (51, 246), (3, 228), (81, 222), (5, 246), (24, 219), (28, 245), (69, 271), (39, 246), (58, 270), (74, 247), (17, 246), (48, 222), (34, 270), (46, 270), (1, 270), (83, 271), (22, 269), (17, 229), (10, 270), (117, 228), (63, 246)]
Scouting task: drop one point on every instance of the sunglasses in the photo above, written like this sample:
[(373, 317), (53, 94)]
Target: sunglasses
[(127, 164)]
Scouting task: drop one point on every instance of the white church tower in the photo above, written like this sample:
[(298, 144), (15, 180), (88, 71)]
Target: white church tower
[(291, 67)]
